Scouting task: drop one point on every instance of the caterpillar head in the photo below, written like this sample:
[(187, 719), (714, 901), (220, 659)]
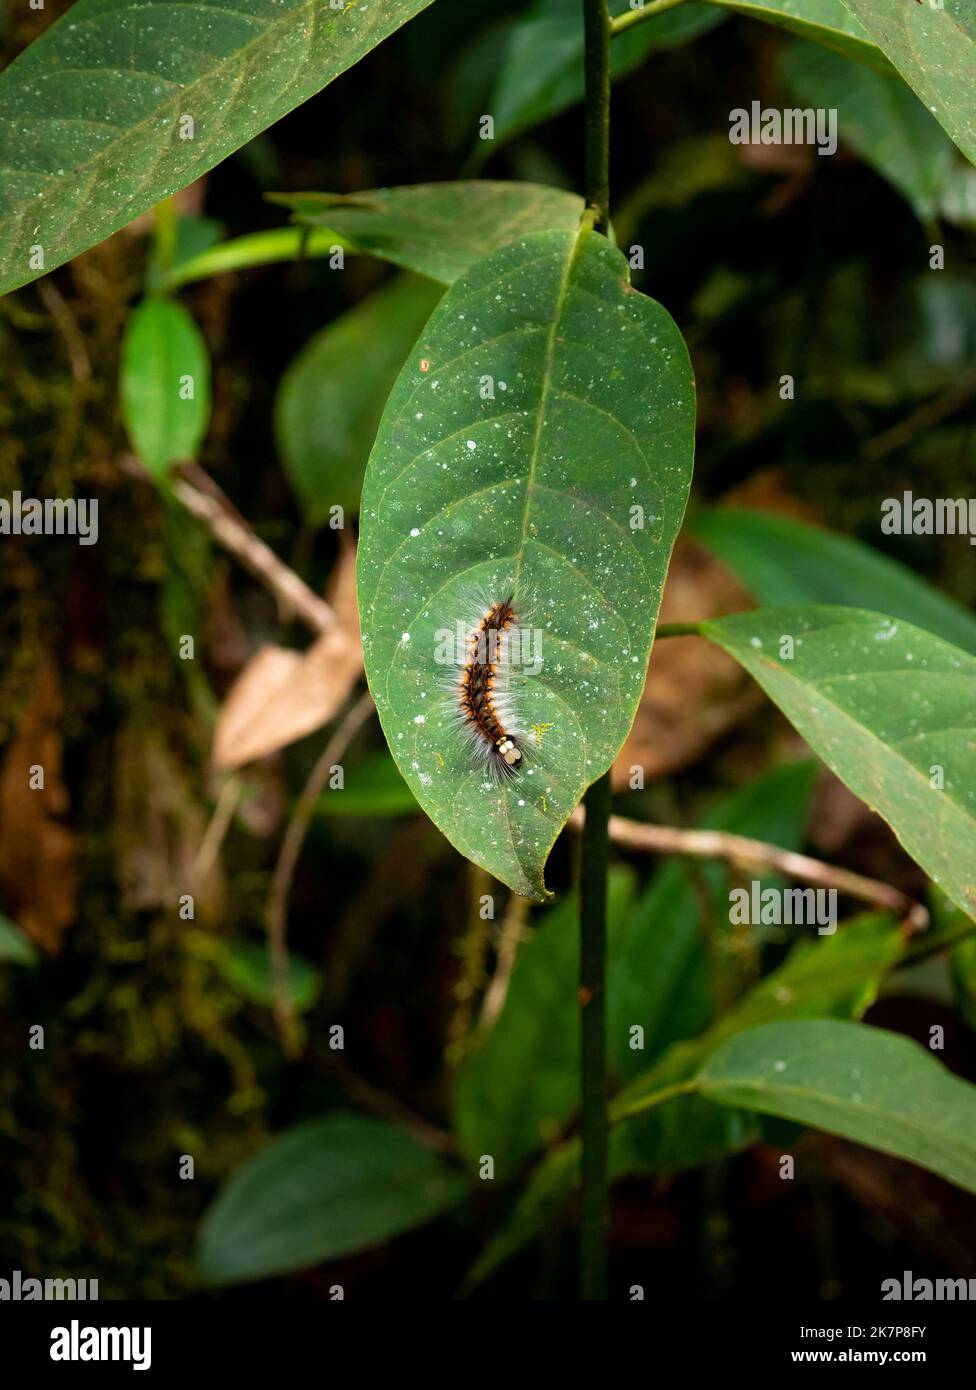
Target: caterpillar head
[(509, 752)]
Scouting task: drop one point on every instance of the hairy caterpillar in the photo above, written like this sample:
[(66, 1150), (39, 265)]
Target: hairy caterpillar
[(483, 693)]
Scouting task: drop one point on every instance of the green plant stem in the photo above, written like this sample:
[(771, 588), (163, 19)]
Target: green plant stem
[(166, 220), (623, 22), (594, 1126), (626, 1109), (596, 31), (679, 630)]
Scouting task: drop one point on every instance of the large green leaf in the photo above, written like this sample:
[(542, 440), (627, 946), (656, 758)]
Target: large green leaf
[(827, 22), (874, 1087), (437, 229), (934, 49), (323, 1189), (331, 397), (880, 118), (660, 1124), (886, 706), (516, 1092), (104, 92), (164, 383), (782, 561), (469, 499), (542, 72)]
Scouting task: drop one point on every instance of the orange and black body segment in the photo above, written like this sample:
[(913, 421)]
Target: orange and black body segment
[(479, 699)]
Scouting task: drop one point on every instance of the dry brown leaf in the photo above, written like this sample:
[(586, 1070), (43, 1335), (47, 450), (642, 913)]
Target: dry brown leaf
[(38, 882), (695, 692), (282, 695)]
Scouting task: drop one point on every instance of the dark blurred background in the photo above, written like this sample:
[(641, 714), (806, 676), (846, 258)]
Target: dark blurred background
[(772, 261)]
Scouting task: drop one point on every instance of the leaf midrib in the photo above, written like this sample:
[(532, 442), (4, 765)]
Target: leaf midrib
[(547, 374)]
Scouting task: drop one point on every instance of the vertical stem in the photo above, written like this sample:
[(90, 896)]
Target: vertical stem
[(596, 30), (594, 1213), (595, 1208), (166, 220)]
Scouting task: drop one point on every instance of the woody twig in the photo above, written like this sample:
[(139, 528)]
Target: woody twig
[(746, 853)]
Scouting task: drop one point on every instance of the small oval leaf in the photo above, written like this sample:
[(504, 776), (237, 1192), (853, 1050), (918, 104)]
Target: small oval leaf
[(164, 384), (321, 1190), (248, 968)]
